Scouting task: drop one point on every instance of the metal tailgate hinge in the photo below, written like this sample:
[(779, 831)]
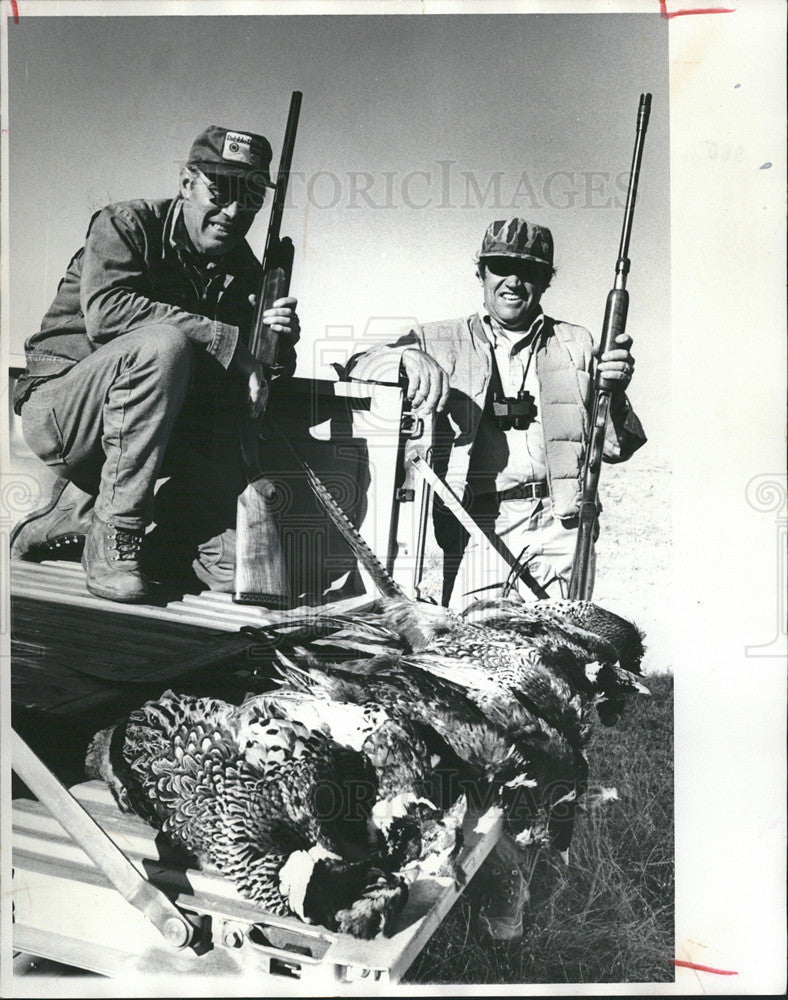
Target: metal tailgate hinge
[(179, 929)]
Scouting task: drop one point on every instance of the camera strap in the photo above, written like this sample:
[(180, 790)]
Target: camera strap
[(496, 384)]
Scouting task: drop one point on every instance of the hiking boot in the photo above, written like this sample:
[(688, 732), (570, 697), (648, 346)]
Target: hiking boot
[(57, 530), (111, 563), (502, 915)]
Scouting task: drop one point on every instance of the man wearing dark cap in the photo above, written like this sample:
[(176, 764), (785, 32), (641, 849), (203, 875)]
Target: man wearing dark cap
[(141, 365), (510, 388)]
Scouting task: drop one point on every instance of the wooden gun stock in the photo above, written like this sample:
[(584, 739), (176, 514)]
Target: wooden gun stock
[(260, 573), (581, 582)]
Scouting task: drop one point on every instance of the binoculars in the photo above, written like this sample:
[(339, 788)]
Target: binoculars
[(516, 413)]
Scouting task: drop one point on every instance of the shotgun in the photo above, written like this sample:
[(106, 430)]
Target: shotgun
[(278, 253), (581, 582), (260, 573)]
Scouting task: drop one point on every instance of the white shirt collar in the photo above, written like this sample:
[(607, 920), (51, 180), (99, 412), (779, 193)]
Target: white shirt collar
[(516, 340)]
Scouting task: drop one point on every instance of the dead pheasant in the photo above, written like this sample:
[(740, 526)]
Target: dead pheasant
[(280, 810), (598, 651), (567, 635), (525, 768), (422, 837), (533, 687)]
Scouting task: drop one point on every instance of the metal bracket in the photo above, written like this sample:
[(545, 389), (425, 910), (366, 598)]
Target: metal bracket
[(412, 427), (405, 495), (474, 529)]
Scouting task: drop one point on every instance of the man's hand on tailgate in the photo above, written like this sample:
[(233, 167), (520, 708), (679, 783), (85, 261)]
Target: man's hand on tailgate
[(428, 383)]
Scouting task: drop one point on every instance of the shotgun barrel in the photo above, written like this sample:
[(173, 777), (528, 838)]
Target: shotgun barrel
[(278, 254), (581, 582)]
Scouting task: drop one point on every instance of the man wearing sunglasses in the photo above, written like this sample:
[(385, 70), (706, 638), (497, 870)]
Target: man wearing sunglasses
[(510, 388), (139, 370)]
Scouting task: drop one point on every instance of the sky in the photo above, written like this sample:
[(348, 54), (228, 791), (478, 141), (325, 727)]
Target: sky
[(415, 133)]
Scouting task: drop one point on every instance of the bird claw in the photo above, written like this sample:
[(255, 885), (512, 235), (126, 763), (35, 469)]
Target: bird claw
[(375, 912)]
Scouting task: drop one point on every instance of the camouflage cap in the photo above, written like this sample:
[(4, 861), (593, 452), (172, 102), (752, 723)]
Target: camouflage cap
[(234, 154), (518, 238)]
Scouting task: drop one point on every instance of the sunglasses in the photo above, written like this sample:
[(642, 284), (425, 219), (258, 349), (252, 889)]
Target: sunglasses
[(223, 190), (502, 267)]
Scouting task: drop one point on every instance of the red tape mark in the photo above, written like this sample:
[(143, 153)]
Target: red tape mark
[(15, 11), (704, 968), (663, 10)]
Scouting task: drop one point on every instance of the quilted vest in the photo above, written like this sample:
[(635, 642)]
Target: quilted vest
[(563, 361)]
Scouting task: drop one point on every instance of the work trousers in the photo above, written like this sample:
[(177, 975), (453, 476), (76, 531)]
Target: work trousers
[(142, 407), (476, 572)]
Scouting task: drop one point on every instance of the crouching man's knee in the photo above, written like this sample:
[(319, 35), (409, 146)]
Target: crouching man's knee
[(165, 346)]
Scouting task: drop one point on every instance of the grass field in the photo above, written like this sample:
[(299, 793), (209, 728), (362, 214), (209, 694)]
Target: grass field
[(608, 916)]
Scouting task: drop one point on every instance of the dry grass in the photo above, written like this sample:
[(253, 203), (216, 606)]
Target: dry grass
[(608, 916)]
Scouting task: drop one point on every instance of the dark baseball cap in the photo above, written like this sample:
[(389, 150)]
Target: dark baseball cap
[(229, 153), (519, 239)]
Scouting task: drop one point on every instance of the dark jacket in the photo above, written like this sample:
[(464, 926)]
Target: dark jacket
[(137, 268)]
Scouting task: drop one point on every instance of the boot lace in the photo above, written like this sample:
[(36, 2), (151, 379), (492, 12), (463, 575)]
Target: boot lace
[(126, 543), (508, 892)]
